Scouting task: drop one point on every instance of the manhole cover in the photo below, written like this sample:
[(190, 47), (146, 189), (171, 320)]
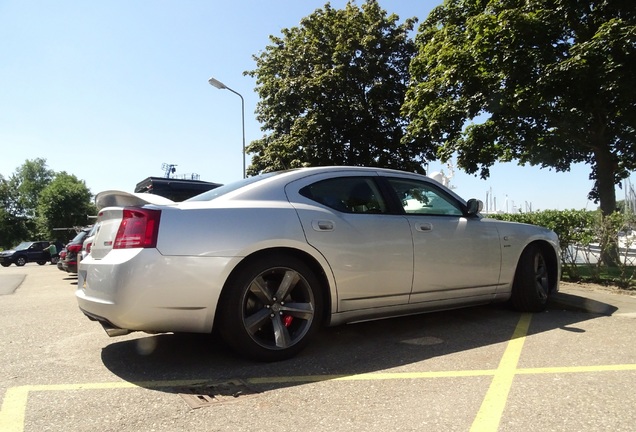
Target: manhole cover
[(203, 395)]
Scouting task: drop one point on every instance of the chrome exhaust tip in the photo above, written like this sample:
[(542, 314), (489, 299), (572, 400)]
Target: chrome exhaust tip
[(113, 331)]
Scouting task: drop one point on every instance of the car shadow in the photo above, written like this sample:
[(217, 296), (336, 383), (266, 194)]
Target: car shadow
[(577, 303), (164, 362), (71, 278)]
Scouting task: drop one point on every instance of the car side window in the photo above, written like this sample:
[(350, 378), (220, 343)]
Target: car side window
[(347, 195), (419, 197)]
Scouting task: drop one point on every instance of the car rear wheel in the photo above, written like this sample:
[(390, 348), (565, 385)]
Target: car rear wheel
[(20, 261), (41, 262), (531, 287), (271, 308)]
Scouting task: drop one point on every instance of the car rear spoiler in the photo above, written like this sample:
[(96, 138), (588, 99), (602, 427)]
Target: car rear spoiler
[(115, 198)]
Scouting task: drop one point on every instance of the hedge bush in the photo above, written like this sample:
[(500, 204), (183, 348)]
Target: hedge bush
[(577, 229)]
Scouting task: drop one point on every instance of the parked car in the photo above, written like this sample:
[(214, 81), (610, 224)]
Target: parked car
[(30, 251), (88, 241), (267, 260), (74, 249), (60, 261)]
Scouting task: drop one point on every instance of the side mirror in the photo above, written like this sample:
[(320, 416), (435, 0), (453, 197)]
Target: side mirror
[(474, 206)]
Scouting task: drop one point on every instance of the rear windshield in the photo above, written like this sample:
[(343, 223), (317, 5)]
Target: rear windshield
[(79, 237), (222, 190)]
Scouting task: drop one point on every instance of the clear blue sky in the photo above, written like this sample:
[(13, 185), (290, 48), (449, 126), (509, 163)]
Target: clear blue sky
[(109, 91)]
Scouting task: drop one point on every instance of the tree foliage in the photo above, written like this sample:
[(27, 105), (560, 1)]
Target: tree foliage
[(35, 200), (13, 228), (543, 82), (28, 181), (331, 91), (64, 203)]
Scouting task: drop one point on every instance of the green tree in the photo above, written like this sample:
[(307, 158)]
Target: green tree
[(28, 181), (13, 229), (543, 82), (14, 225), (64, 203), (331, 91)]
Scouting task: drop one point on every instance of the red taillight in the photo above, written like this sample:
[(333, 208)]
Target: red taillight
[(138, 229), (88, 247), (75, 248)]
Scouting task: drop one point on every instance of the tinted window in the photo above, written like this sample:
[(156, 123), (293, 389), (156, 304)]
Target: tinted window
[(424, 198), (347, 194)]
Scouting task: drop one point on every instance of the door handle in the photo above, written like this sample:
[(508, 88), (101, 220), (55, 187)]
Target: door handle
[(322, 225), (424, 227)]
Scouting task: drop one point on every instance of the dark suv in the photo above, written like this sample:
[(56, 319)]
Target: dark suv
[(33, 251)]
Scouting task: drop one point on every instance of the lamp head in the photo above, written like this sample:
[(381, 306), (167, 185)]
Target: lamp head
[(216, 83)]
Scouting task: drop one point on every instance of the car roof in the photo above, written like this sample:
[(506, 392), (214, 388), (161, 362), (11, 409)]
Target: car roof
[(271, 186), (336, 168)]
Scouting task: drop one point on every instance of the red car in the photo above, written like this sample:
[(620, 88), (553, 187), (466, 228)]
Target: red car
[(68, 256)]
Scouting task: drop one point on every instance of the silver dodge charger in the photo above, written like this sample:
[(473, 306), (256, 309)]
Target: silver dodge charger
[(269, 259)]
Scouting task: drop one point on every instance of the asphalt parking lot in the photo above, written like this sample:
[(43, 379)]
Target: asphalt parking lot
[(488, 368)]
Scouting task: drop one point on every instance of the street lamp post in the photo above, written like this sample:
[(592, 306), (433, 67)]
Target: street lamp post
[(218, 84)]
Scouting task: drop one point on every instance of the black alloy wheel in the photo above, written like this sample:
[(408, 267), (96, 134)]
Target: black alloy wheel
[(272, 308), (531, 287)]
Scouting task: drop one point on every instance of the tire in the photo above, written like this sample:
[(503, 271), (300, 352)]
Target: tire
[(5, 264), (271, 308), (531, 286), (20, 261), (41, 262)]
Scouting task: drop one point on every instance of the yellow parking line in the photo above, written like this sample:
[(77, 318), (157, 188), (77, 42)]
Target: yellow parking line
[(15, 400), (493, 405), (577, 369), (12, 413), (13, 409), (369, 376)]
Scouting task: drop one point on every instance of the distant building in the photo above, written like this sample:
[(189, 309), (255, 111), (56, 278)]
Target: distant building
[(173, 188)]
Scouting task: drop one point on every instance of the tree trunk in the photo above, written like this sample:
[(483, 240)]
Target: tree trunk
[(606, 188)]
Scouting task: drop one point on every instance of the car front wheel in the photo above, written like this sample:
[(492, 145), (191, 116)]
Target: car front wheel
[(271, 308), (20, 261), (531, 287), (5, 264)]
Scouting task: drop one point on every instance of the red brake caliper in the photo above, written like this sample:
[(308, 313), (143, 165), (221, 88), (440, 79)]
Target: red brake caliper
[(287, 320)]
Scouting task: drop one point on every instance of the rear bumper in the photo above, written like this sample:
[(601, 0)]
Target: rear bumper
[(142, 290)]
